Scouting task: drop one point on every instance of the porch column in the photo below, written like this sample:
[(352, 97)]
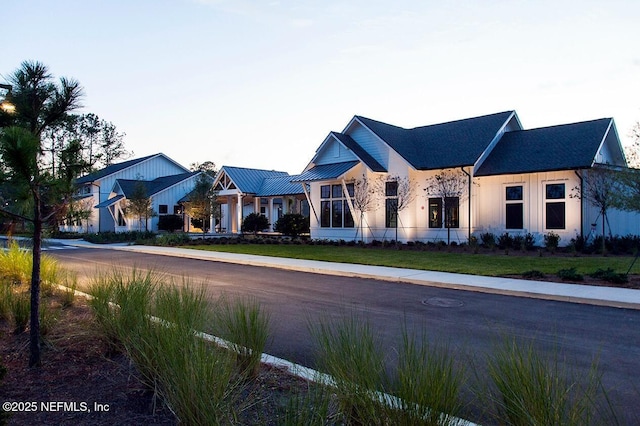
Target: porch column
[(239, 214), (270, 214), (256, 205), (229, 216)]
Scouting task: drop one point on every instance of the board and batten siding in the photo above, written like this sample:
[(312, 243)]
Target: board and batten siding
[(490, 204), (334, 152), (370, 143)]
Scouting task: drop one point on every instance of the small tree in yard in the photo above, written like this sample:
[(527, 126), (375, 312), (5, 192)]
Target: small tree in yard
[(366, 198), (450, 186), (139, 205), (40, 103), (599, 188), (255, 223), (201, 203)]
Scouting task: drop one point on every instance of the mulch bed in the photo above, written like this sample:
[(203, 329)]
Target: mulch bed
[(81, 383)]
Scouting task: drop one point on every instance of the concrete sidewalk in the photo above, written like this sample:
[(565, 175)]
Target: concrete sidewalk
[(575, 293)]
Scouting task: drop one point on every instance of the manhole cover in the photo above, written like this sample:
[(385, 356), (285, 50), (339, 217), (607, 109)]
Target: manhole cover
[(443, 302)]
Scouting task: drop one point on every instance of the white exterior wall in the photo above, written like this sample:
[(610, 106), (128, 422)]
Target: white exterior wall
[(490, 204)]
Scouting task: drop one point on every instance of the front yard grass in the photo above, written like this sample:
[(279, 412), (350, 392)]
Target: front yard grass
[(488, 264)]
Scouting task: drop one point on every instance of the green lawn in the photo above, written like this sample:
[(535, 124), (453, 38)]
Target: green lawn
[(493, 264)]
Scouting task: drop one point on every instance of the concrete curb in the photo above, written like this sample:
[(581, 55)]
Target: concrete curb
[(563, 292)]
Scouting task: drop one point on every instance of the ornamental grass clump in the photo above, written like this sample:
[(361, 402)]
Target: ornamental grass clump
[(428, 384), (349, 352), (530, 389), (245, 325), (156, 323)]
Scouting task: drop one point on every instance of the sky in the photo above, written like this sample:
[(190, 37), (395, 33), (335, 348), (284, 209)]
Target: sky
[(260, 84)]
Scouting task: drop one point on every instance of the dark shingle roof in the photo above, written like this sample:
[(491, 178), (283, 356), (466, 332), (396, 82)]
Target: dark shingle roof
[(325, 171), (152, 187), (250, 181), (564, 147), (359, 152), (92, 177), (440, 146)]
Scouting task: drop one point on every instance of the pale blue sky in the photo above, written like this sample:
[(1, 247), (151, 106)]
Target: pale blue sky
[(261, 83)]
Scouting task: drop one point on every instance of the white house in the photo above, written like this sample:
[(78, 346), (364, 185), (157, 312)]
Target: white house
[(102, 192), (515, 180)]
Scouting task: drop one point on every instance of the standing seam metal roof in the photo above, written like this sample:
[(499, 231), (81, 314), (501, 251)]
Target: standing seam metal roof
[(154, 186), (326, 171), (249, 181), (91, 177)]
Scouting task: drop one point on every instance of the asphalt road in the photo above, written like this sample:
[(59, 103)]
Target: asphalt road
[(471, 323)]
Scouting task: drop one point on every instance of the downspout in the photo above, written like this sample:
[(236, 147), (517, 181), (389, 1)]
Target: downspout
[(582, 205), (469, 203)]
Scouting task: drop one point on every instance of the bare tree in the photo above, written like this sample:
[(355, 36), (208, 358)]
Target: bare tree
[(366, 198), (633, 152), (400, 193), (450, 186), (599, 188)]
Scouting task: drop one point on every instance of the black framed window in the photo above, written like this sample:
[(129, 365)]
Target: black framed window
[(325, 191), (514, 209), (177, 209), (163, 209), (391, 212), (555, 211), (334, 207), (391, 204), (336, 213), (555, 215), (452, 212), (435, 212), (348, 217), (325, 214), (555, 191)]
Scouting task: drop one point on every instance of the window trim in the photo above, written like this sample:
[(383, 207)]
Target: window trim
[(514, 201), (555, 201)]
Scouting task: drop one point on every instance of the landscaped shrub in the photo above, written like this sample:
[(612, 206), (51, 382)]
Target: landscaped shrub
[(610, 275), (570, 275), (170, 222), (488, 239), (292, 224), (551, 241), (505, 241), (118, 237), (534, 273), (174, 239), (255, 223)]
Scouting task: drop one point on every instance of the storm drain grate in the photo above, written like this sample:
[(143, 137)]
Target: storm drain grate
[(443, 302)]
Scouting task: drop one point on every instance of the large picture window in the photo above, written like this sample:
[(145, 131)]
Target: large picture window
[(334, 208), (555, 209), (514, 207), (451, 218)]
